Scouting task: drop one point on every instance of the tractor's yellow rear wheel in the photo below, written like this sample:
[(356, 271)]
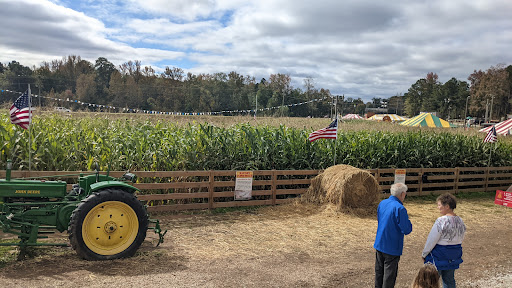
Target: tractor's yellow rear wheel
[(109, 224)]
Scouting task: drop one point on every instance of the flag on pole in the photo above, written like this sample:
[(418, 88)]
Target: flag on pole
[(21, 113), (491, 136), (331, 132)]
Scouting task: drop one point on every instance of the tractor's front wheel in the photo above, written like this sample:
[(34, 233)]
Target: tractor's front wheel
[(108, 224)]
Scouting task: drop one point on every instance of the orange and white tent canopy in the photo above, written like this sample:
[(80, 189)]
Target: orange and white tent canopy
[(501, 128)]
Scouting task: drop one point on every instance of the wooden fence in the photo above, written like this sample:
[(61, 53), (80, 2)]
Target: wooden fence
[(187, 190)]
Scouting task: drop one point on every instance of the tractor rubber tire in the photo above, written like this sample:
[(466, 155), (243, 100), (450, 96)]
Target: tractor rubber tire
[(108, 224)]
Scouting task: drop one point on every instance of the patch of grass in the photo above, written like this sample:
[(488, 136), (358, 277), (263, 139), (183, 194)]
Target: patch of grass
[(476, 195), (247, 209), (10, 254), (7, 254), (421, 199), (461, 196), (224, 210)]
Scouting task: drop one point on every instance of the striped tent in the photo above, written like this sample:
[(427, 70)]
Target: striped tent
[(392, 117), (501, 128), (351, 117), (427, 120)]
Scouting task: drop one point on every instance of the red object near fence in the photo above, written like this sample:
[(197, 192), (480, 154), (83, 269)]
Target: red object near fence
[(503, 198)]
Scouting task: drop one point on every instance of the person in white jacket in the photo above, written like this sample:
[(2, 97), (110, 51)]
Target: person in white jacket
[(444, 243)]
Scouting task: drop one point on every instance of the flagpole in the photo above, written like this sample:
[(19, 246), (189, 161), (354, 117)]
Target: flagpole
[(29, 129), (337, 124), (336, 140), (492, 138), (490, 153)]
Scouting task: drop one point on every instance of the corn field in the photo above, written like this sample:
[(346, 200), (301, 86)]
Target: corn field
[(70, 143)]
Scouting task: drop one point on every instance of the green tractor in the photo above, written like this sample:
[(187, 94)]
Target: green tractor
[(102, 215)]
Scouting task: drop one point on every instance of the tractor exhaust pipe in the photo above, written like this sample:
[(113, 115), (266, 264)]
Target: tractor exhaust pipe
[(8, 171)]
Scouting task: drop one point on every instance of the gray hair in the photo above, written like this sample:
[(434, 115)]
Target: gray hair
[(398, 188)]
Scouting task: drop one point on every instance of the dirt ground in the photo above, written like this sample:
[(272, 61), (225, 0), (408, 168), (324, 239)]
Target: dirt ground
[(292, 245)]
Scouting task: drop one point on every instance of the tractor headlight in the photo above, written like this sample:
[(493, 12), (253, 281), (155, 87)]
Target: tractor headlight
[(130, 177)]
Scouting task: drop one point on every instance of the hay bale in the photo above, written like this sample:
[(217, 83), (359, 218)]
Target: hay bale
[(344, 186)]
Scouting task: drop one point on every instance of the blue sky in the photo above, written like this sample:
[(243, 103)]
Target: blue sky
[(359, 48)]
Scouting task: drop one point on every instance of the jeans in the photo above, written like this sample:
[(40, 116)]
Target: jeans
[(386, 269), (448, 277)]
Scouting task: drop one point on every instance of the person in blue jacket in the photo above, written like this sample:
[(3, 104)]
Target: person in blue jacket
[(443, 247), (393, 224)]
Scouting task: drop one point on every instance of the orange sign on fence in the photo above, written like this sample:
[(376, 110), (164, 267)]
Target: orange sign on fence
[(243, 185), (400, 176), (503, 198)]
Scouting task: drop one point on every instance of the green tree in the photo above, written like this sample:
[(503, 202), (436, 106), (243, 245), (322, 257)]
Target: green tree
[(310, 93), (171, 85), (396, 104), (18, 76), (42, 77), (132, 68), (173, 73), (414, 98), (263, 95), (249, 90), (235, 84), (104, 70), (73, 66), (116, 91), (148, 89), (452, 99), (296, 96), (324, 108), (422, 95), (509, 81), (86, 88), (192, 85), (491, 90), (281, 88), (206, 101)]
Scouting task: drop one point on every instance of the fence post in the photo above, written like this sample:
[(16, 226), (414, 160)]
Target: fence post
[(420, 181), (486, 178), (210, 189), (456, 186), (274, 186)]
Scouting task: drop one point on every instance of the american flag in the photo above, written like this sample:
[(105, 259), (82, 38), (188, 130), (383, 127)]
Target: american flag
[(20, 111), (331, 132), (491, 136)]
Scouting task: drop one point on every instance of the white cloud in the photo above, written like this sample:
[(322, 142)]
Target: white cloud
[(164, 28), (186, 10), (50, 32), (363, 48)]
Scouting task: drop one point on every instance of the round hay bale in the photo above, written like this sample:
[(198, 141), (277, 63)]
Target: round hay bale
[(344, 186)]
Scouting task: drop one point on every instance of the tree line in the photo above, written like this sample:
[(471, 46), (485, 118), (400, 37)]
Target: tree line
[(132, 86), (487, 95)]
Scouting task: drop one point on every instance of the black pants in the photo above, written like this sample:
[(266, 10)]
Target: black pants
[(386, 269)]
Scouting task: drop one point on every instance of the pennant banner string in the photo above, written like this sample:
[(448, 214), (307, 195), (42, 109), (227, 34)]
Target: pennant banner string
[(173, 113)]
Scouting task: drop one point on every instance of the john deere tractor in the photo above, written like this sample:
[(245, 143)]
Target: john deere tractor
[(102, 215)]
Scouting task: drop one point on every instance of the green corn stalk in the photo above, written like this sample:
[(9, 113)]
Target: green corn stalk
[(65, 143)]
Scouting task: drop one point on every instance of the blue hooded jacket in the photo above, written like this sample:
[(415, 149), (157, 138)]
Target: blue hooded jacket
[(445, 257), (393, 224)]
